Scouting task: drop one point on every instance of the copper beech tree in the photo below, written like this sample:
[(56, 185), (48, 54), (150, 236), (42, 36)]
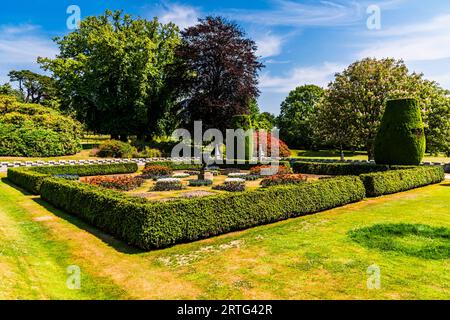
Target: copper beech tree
[(220, 68)]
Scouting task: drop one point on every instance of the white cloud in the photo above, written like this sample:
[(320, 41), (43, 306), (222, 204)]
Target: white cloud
[(20, 46), (424, 41), (182, 15), (290, 13), (269, 45), (319, 75)]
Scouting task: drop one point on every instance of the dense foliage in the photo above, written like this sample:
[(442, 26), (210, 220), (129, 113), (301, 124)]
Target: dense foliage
[(161, 224), (220, 70), (113, 71), (296, 116), (32, 130), (115, 149), (354, 104), (401, 137)]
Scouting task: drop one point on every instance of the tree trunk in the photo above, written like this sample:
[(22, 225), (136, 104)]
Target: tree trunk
[(124, 138), (342, 153), (370, 151)]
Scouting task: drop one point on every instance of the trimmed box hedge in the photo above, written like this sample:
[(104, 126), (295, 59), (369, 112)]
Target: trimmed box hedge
[(151, 225), (381, 183), (31, 179), (336, 169)]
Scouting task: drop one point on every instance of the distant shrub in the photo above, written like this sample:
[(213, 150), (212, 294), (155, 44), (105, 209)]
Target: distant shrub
[(115, 149), (148, 152), (154, 171), (122, 183), (180, 175), (282, 179), (168, 184)]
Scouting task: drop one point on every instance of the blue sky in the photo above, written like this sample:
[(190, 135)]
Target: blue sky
[(299, 41)]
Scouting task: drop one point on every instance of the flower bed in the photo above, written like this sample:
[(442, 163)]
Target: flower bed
[(160, 224), (155, 171), (232, 185), (31, 178), (268, 170), (200, 183), (168, 184), (283, 179), (122, 183)]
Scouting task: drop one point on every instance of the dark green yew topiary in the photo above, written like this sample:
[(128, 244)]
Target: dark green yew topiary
[(401, 138)]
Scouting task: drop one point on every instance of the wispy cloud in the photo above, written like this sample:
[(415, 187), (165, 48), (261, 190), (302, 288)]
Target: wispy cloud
[(20, 45), (423, 41), (269, 45), (290, 13), (320, 75), (182, 15)]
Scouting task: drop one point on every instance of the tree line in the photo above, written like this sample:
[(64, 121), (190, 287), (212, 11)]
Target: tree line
[(126, 76), (347, 114)]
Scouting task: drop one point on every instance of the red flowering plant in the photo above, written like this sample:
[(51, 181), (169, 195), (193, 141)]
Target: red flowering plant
[(122, 183), (156, 171), (267, 170), (267, 139), (283, 179)]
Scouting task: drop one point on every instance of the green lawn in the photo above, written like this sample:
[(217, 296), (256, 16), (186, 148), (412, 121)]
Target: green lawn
[(352, 155), (311, 257)]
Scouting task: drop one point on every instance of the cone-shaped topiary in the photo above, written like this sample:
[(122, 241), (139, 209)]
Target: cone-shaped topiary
[(401, 138)]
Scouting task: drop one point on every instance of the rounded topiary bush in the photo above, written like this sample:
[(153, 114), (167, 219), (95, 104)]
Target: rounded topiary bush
[(401, 138)]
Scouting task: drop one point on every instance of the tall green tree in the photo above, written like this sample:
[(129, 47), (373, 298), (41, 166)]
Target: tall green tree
[(34, 87), (114, 73), (296, 116), (360, 93)]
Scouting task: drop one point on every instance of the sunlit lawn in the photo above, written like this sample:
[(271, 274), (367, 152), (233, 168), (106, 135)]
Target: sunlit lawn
[(310, 257)]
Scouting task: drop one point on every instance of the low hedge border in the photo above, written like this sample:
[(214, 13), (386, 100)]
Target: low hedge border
[(340, 169), (150, 225), (381, 183), (31, 179)]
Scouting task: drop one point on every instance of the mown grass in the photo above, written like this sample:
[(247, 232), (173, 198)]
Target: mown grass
[(311, 257), (417, 240)]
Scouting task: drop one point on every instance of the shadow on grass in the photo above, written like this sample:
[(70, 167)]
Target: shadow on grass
[(445, 184), (12, 185), (106, 238)]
